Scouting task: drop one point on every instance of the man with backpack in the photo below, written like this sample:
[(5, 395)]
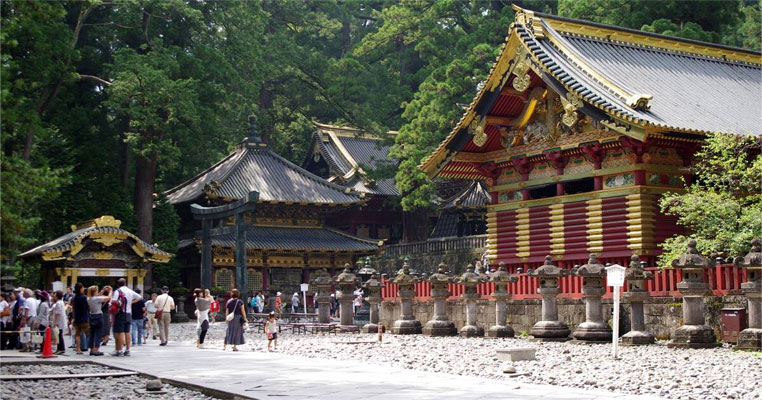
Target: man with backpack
[(121, 306)]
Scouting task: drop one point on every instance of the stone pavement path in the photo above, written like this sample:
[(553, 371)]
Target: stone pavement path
[(277, 376)]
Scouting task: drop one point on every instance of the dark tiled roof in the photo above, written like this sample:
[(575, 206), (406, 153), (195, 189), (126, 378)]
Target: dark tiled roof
[(68, 241), (299, 239), (475, 195), (690, 92), (253, 166), (447, 226), (361, 150)]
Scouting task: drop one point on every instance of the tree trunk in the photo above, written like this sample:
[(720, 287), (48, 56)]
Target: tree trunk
[(145, 180), (265, 103), (124, 155), (415, 225)]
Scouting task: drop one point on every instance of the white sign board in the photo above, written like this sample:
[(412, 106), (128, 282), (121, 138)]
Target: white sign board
[(615, 278), (615, 275), (304, 287)]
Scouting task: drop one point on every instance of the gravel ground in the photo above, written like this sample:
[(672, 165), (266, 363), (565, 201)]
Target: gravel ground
[(42, 369), (718, 373), (117, 388)]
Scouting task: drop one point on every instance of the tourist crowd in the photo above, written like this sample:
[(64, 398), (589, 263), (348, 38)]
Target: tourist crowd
[(90, 316)]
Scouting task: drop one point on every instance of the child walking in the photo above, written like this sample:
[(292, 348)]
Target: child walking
[(271, 329)]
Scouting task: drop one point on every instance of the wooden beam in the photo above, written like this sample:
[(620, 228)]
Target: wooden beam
[(499, 121)]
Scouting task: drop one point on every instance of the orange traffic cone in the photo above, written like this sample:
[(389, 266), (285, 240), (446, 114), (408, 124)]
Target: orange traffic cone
[(47, 347)]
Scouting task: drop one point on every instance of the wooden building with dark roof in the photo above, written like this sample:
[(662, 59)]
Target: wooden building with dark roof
[(288, 236), (344, 155), (580, 127)]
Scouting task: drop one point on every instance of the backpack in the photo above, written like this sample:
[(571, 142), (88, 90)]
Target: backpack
[(254, 301), (120, 304)]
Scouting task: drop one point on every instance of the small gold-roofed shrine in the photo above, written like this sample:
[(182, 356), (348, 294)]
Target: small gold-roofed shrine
[(581, 127), (97, 249), (287, 237)]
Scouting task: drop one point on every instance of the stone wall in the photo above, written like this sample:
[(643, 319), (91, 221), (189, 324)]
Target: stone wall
[(663, 314)]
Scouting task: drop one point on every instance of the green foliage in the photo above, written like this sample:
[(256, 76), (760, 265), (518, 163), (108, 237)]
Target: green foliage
[(721, 209), (688, 30), (750, 29), (89, 88), (166, 224)]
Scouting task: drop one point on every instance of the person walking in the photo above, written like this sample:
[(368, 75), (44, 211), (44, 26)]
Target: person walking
[(95, 301), (202, 316), (214, 307), (271, 331), (153, 325), (138, 316), (234, 333), (295, 303), (278, 304), (164, 306), (122, 307)]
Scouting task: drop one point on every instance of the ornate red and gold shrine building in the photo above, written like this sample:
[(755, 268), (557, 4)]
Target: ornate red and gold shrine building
[(581, 127), (99, 252)]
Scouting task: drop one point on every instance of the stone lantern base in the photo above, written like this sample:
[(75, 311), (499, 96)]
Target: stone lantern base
[(500, 331), (406, 327), (371, 328), (471, 331), (636, 338), (694, 337), (439, 328), (550, 331), (749, 339), (593, 331)]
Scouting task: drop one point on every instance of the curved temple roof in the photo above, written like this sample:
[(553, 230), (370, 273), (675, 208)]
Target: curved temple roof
[(254, 167), (642, 83), (346, 150), (104, 230)]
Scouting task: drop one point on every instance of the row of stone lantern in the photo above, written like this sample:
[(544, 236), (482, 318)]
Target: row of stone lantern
[(694, 333)]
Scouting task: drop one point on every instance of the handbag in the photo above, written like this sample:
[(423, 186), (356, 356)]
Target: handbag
[(231, 315), (160, 311)]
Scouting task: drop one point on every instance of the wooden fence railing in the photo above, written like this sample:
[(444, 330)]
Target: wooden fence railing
[(436, 246), (723, 279)]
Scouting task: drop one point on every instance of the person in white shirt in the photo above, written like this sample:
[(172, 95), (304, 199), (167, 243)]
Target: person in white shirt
[(153, 325), (295, 303), (29, 315), (58, 321), (164, 303), (123, 317)]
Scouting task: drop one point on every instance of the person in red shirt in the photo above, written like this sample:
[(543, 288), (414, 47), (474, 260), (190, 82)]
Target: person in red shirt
[(214, 308)]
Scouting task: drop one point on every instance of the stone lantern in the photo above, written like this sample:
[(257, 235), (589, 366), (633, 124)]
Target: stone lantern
[(440, 325), (346, 283), (407, 324), (594, 329), (550, 328), (322, 283), (636, 294), (694, 333), (751, 337), (501, 278), (373, 290), (470, 280)]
